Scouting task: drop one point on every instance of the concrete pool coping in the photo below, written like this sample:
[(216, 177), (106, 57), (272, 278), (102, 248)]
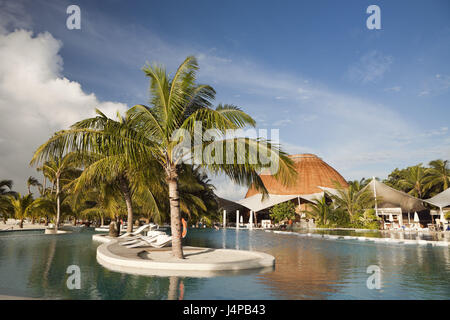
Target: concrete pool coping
[(369, 239), (198, 262)]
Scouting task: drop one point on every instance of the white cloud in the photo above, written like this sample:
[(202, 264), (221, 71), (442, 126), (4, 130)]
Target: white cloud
[(393, 89), (435, 85), (282, 122), (371, 67), (35, 100)]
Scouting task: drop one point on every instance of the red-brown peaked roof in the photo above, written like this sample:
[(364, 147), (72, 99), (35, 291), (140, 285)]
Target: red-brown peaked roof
[(312, 173)]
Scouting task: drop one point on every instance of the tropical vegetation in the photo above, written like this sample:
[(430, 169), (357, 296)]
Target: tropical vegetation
[(140, 152)]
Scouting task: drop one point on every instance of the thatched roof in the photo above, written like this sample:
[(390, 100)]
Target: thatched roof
[(312, 173)]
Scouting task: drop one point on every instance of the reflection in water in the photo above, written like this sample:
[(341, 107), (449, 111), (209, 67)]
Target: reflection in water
[(224, 238), (176, 289), (302, 273), (34, 265)]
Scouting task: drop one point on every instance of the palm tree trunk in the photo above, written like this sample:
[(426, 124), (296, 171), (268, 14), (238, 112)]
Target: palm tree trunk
[(58, 204), (21, 224), (102, 221), (124, 187), (175, 218)]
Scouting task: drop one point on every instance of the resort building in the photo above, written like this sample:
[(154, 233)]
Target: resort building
[(313, 177), (398, 209)]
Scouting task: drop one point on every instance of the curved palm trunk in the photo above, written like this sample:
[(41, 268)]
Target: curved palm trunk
[(124, 187), (175, 218)]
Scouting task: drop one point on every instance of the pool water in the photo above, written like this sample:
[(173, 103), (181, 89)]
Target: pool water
[(34, 265)]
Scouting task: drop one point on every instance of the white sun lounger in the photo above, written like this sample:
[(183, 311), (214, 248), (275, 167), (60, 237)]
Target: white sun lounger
[(137, 238), (156, 242), (137, 231)]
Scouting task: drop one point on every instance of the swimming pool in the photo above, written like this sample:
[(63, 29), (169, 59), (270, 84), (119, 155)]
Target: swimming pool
[(34, 265)]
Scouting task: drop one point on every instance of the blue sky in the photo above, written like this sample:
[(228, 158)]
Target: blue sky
[(366, 101)]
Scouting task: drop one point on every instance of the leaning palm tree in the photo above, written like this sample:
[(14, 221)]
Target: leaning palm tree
[(414, 181), (180, 109), (438, 175)]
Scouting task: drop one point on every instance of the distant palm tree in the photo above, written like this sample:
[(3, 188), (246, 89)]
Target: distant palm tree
[(47, 206), (320, 210), (6, 188), (21, 206), (5, 192), (60, 168), (438, 176), (153, 134), (32, 182), (414, 181), (359, 184), (352, 199)]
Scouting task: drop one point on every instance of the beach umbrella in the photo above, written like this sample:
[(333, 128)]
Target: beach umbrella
[(391, 218), (416, 217)]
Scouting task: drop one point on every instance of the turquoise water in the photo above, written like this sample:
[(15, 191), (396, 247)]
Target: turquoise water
[(34, 265)]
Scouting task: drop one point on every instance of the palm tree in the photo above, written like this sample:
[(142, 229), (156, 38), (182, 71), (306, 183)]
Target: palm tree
[(438, 176), (60, 168), (32, 182), (153, 134), (135, 183), (320, 210), (107, 204), (21, 206), (352, 199), (48, 205), (414, 181), (5, 192)]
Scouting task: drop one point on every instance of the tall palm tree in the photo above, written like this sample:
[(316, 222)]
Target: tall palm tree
[(438, 175), (21, 206), (60, 168), (414, 181), (153, 134)]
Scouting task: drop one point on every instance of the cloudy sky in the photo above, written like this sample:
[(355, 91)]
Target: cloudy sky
[(366, 101)]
